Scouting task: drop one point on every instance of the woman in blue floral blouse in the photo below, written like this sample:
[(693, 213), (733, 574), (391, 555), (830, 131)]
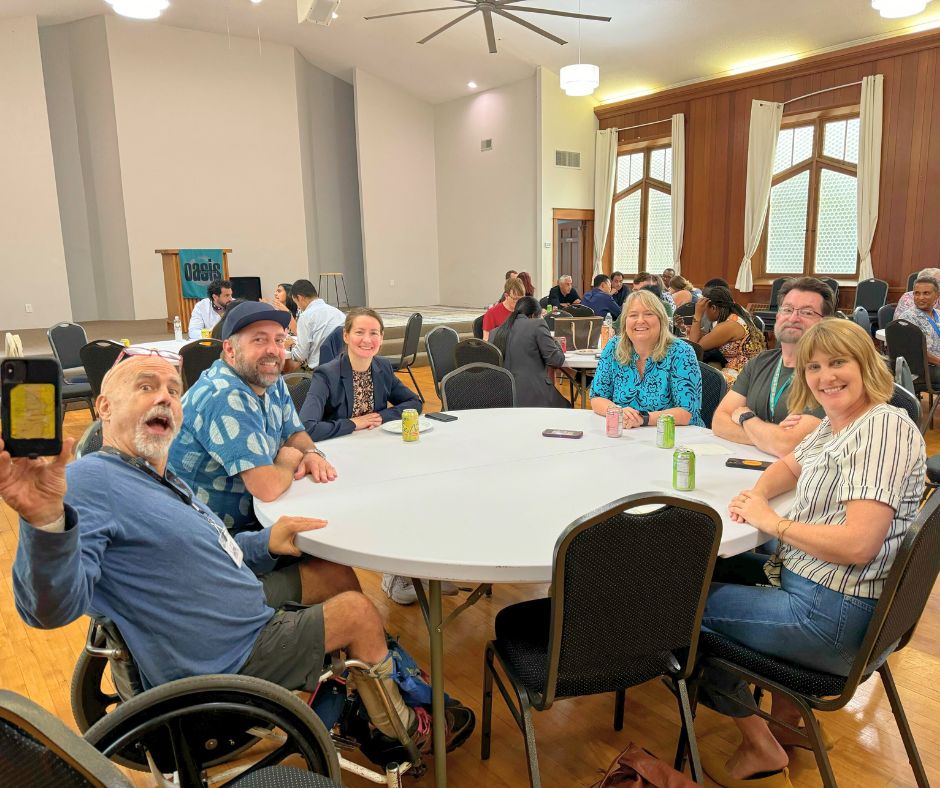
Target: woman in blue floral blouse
[(646, 370)]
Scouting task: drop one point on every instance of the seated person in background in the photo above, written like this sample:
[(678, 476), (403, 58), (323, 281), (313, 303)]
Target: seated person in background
[(115, 534), (528, 350), (314, 324), (240, 437), (646, 370), (619, 290), (497, 314), (210, 309), (282, 300), (527, 283), (923, 313), (644, 279), (858, 478), (563, 294), (682, 291), (733, 331), (906, 301), (599, 299), (358, 390), (510, 274), (755, 410), (712, 356), (217, 328), (666, 276)]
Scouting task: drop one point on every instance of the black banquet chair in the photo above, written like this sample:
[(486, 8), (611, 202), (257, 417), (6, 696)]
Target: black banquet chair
[(903, 598), (478, 327), (478, 386), (439, 343), (886, 315), (905, 340), (910, 281), (298, 384), (862, 318), (197, 357), (872, 294), (98, 356), (602, 629), (476, 351), (409, 350), (903, 399), (67, 341), (714, 388), (90, 441)]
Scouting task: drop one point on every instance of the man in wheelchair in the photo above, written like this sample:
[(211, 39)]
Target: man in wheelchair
[(115, 535)]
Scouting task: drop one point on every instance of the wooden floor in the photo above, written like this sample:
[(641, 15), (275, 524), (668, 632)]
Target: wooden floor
[(575, 738)]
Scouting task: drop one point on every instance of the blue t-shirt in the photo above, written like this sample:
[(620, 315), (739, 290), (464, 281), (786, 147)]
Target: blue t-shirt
[(227, 429), (674, 382), (135, 552), (602, 303)]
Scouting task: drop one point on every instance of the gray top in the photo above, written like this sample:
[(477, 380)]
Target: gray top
[(530, 349), (756, 381)]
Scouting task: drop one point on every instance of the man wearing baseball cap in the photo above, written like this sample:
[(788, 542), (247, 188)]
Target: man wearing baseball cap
[(241, 438)]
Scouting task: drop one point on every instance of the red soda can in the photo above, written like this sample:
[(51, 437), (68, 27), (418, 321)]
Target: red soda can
[(614, 422), (563, 341)]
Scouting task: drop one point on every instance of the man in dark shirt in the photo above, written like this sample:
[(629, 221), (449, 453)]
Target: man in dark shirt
[(619, 290), (599, 298), (563, 293)]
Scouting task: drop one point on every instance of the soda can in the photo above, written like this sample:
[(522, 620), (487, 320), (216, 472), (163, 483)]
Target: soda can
[(614, 422), (207, 333), (126, 342), (666, 431), (563, 342), (409, 425), (683, 469)]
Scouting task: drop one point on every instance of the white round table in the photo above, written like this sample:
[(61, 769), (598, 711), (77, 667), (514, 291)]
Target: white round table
[(172, 345), (880, 335), (484, 499)]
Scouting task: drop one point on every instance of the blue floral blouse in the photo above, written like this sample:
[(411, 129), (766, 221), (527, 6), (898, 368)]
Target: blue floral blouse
[(674, 382)]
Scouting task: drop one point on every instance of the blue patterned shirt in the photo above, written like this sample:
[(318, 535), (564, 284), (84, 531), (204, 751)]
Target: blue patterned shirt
[(227, 429), (674, 382)]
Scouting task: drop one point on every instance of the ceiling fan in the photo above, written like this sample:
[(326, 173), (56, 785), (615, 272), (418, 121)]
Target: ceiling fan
[(503, 8)]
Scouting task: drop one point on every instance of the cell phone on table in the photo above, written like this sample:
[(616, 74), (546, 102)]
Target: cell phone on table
[(752, 465), (31, 406), (562, 433), (441, 416)]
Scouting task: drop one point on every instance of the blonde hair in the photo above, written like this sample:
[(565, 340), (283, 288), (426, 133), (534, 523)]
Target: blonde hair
[(514, 286), (840, 338), (647, 299), (678, 283)]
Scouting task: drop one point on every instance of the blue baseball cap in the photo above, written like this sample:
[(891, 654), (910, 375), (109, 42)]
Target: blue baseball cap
[(252, 312)]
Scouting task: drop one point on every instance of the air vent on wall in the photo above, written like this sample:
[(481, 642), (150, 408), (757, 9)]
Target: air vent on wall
[(486, 145), (568, 158)]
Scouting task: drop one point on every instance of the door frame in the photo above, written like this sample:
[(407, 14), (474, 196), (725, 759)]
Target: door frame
[(585, 215)]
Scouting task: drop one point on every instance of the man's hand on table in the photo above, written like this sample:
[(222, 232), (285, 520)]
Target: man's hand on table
[(281, 538), (317, 467)]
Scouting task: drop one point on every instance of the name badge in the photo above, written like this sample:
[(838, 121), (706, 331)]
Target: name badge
[(231, 547)]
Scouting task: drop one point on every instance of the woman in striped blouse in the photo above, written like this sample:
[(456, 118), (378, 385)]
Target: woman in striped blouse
[(858, 480)]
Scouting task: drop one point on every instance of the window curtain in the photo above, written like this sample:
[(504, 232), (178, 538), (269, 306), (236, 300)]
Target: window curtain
[(678, 188), (761, 149), (605, 172), (869, 169)]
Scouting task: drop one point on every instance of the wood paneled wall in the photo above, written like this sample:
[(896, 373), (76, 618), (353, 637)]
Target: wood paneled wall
[(717, 115)]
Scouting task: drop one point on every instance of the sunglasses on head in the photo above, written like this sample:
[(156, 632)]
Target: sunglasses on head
[(167, 355)]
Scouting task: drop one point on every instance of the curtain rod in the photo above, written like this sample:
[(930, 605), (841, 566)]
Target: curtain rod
[(641, 125), (824, 90)]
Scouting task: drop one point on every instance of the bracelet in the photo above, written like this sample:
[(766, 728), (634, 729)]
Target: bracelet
[(315, 451), (780, 534)]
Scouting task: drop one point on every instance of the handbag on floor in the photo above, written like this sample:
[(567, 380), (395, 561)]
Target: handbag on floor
[(637, 767)]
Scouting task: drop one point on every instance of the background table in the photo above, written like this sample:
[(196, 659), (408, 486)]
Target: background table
[(172, 345), (485, 498), (582, 363)]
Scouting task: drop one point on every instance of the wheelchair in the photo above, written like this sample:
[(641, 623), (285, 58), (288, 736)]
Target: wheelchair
[(218, 729)]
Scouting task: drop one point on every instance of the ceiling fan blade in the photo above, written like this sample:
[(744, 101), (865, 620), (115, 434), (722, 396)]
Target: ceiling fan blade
[(422, 11), (529, 26), (553, 13), (490, 33), (449, 25)]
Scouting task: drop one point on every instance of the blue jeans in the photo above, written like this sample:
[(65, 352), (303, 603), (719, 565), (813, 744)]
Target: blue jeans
[(802, 622)]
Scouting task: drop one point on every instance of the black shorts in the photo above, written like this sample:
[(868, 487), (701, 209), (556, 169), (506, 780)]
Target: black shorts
[(290, 650), (282, 584)]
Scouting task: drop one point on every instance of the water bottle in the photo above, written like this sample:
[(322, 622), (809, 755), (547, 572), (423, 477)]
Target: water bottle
[(607, 330), (177, 329)]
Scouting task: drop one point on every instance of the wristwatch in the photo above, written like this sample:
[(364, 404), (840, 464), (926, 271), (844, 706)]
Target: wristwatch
[(645, 415), (745, 416), (315, 451)]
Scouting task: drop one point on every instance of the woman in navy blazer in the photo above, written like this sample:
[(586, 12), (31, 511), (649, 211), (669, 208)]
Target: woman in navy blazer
[(357, 390)]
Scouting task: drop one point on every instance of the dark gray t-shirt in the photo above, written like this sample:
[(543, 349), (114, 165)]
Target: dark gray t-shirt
[(755, 381)]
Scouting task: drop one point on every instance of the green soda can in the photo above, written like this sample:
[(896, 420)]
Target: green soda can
[(666, 431), (409, 425), (683, 469)]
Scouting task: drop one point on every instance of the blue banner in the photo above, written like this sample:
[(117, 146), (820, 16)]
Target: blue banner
[(198, 267)]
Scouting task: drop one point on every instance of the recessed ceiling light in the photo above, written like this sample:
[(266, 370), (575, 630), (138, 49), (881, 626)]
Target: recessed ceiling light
[(256, 2), (472, 85), (896, 9), (139, 9), (335, 15)]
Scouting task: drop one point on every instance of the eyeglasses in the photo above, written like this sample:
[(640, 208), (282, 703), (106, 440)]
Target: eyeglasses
[(168, 355), (786, 311)]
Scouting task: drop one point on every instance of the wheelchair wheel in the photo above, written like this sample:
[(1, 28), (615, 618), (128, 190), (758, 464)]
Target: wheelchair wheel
[(90, 700), (189, 725)]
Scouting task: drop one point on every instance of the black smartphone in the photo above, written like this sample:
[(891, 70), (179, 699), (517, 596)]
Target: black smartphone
[(752, 465), (31, 406), (562, 433), (441, 416)]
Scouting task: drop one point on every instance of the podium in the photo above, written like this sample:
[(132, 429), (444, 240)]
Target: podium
[(175, 303)]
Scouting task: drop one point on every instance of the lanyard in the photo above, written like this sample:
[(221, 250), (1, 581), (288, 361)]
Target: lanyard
[(930, 317), (774, 394)]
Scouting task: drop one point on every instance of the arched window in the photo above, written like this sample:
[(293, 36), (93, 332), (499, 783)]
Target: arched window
[(642, 211)]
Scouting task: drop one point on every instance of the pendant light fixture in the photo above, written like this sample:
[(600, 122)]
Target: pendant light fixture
[(897, 9), (139, 9), (580, 79)]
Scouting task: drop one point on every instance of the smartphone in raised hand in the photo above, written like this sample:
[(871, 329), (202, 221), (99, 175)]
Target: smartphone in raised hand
[(31, 406)]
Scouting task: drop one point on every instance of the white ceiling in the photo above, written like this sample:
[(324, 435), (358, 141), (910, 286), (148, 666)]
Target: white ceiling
[(650, 44)]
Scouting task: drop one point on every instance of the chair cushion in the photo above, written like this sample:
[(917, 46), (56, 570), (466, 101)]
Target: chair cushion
[(284, 777), (76, 390), (522, 640), (800, 679), (933, 469)]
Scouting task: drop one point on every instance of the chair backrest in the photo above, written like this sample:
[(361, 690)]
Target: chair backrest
[(97, 357), (475, 351), (579, 310), (686, 310), (478, 327), (618, 559), (439, 343), (759, 322), (67, 340), (714, 389), (699, 350), (478, 386), (13, 346), (409, 345), (197, 357), (886, 315), (905, 339), (860, 316), (90, 441), (37, 749), (581, 333), (775, 291), (910, 281), (871, 294), (903, 376), (298, 384), (834, 287), (332, 346), (904, 399)]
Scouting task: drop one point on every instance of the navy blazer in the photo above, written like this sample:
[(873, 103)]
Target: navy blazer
[(327, 410)]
